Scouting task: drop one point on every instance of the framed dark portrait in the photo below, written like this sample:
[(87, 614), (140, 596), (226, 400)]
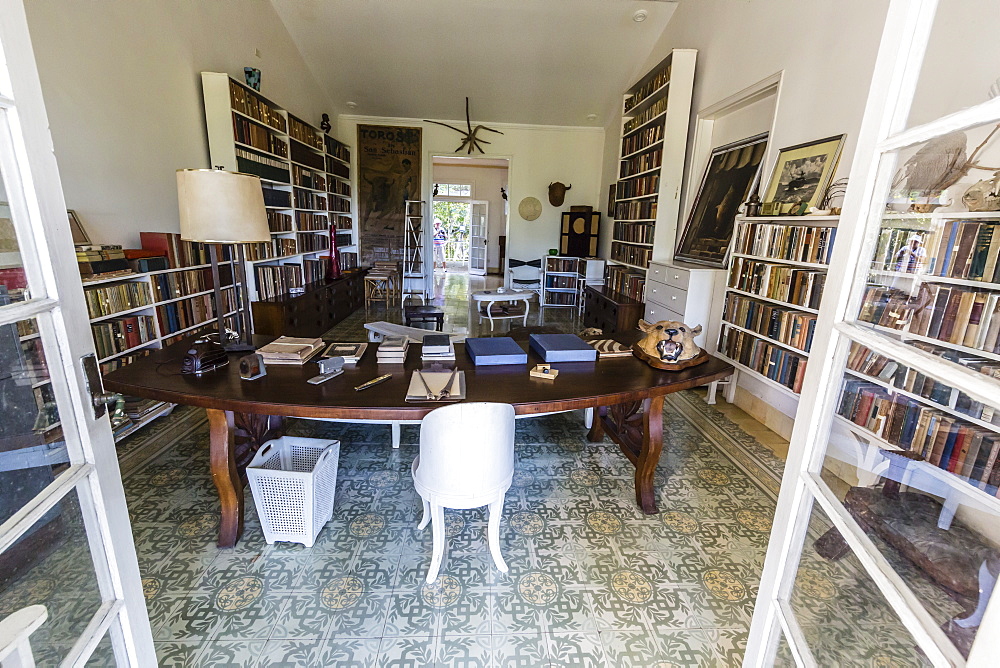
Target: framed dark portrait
[(732, 173)]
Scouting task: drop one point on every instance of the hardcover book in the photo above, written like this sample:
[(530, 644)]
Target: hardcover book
[(489, 351), (562, 348)]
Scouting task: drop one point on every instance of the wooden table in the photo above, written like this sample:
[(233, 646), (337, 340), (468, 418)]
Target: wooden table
[(424, 313), (485, 299), (627, 394)]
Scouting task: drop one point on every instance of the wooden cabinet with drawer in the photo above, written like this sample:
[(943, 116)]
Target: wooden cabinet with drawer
[(610, 311), (685, 293)]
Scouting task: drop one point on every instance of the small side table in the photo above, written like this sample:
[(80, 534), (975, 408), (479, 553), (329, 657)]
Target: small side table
[(484, 302), (424, 313)]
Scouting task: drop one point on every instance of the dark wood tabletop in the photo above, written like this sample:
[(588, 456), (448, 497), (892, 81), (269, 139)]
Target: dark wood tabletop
[(285, 392)]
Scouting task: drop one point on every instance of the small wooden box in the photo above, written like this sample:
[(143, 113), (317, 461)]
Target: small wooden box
[(543, 371)]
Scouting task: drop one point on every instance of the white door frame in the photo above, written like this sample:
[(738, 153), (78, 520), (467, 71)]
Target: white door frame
[(56, 301), (897, 69), (474, 239)]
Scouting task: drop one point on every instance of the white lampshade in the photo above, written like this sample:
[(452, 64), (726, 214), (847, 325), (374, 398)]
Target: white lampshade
[(221, 207)]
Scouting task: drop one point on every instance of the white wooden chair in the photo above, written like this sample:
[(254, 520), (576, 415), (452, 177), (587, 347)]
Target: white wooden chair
[(466, 461), (15, 631)]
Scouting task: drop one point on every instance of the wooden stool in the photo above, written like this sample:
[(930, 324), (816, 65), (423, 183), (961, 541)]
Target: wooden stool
[(378, 288), (424, 313)]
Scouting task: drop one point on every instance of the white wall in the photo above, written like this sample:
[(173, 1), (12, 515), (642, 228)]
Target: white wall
[(538, 155), (486, 183), (123, 92)]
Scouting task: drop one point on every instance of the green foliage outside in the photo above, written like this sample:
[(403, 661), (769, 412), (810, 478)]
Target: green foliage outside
[(454, 217)]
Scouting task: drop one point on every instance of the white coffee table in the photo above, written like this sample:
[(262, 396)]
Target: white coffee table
[(489, 297)]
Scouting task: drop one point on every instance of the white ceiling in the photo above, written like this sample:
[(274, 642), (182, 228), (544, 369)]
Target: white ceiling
[(548, 62)]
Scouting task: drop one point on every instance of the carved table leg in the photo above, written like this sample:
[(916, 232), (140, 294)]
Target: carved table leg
[(637, 428), (596, 433), (228, 456)]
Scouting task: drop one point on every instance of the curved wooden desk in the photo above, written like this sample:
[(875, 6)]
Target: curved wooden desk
[(627, 394)]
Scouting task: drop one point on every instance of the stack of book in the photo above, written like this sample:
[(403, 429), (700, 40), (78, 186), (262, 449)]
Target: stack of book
[(351, 352), (436, 348), (290, 350), (392, 350), (102, 261), (137, 408)]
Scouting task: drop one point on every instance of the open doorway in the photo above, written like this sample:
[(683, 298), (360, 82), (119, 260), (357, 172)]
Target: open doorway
[(469, 204)]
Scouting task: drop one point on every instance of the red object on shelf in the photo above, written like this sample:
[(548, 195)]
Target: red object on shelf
[(333, 259)]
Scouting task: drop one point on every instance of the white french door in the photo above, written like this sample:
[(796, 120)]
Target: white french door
[(884, 546), (478, 231), (65, 537)]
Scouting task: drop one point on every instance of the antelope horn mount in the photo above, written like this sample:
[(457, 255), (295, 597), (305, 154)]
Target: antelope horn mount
[(557, 192)]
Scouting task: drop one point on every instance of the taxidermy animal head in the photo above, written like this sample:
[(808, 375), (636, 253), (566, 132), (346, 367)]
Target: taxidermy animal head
[(669, 340), (557, 193)]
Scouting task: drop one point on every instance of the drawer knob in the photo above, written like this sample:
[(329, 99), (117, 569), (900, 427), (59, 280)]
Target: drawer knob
[(676, 277), (674, 297)]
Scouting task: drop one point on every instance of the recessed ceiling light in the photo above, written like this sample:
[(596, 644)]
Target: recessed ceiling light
[(352, 105), (591, 117), (640, 16)]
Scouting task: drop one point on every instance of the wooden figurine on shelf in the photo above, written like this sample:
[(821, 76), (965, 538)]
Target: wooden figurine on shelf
[(669, 345)]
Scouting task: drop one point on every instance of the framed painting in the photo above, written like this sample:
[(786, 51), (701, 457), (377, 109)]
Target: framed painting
[(732, 173), (802, 174), (388, 174)]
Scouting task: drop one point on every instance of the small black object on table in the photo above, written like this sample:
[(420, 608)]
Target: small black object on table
[(424, 313)]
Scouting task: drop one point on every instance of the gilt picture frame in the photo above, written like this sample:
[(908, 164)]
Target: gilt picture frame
[(802, 173), (732, 173)]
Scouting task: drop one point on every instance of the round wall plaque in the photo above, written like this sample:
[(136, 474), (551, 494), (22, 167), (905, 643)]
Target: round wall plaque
[(529, 208)]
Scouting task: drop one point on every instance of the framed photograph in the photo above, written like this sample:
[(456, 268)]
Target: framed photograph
[(733, 172), (611, 202), (802, 174), (80, 237)]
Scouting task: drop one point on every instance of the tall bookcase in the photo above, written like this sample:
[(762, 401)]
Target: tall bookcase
[(414, 283), (305, 175), (776, 277), (655, 118)]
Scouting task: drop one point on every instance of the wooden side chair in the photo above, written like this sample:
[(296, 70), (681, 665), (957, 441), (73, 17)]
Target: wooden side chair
[(466, 461)]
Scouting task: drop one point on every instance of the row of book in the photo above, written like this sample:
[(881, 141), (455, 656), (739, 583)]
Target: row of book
[(123, 360), (338, 169), (276, 197), (560, 298), (799, 243), (258, 251), (636, 210), (640, 140), (564, 282), (180, 283), (176, 316), (650, 113), (945, 441), (181, 253), (304, 133), (634, 255), (308, 178), (309, 220), (640, 233), (869, 363), (957, 315), (339, 205), (768, 359), (660, 79), (309, 200), (247, 103), (279, 222), (343, 222), (285, 247), (347, 261), (248, 133), (625, 281), (638, 187), (337, 149), (966, 249), (314, 270), (345, 239), (307, 156), (258, 164), (119, 334), (311, 243), (275, 280), (341, 188), (562, 264), (802, 287), (108, 299), (638, 164), (794, 328)]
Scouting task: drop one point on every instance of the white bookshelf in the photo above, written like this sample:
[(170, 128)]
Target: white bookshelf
[(560, 280)]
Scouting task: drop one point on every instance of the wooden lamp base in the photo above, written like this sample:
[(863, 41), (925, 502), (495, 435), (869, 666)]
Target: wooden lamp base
[(656, 363)]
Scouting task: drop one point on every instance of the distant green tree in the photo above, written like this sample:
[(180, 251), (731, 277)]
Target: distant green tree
[(454, 217)]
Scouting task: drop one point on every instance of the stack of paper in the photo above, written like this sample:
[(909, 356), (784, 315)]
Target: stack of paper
[(290, 350), (351, 352), (431, 386), (437, 347)]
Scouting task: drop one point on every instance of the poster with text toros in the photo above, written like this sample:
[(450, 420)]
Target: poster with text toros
[(388, 175)]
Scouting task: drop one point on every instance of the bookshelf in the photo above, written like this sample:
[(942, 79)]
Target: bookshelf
[(560, 280), (306, 178), (655, 115), (414, 278), (777, 272)]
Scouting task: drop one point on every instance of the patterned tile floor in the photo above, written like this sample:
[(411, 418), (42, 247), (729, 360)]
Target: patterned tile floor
[(592, 581)]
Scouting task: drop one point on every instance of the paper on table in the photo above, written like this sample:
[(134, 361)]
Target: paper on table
[(436, 381)]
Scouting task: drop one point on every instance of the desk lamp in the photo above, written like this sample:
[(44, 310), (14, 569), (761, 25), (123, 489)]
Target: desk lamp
[(220, 207)]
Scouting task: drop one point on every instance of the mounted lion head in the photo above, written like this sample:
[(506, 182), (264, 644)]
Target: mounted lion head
[(669, 341)]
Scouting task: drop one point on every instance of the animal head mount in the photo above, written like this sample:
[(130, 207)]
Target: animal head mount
[(469, 139), (669, 340), (557, 192)]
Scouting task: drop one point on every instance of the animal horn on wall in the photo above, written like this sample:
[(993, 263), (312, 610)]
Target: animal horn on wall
[(557, 193)]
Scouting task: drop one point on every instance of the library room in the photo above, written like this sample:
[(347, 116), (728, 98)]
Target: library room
[(704, 305)]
